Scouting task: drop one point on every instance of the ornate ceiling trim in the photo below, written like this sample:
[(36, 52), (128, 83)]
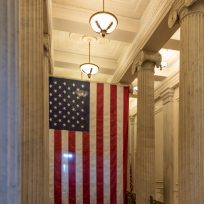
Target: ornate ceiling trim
[(156, 12)]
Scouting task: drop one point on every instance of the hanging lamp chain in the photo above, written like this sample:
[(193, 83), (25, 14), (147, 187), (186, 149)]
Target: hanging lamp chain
[(89, 52), (103, 5)]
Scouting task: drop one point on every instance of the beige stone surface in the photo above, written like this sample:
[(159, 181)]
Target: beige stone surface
[(46, 70), (145, 155), (34, 116), (131, 153), (9, 104), (191, 117), (171, 83), (167, 98)]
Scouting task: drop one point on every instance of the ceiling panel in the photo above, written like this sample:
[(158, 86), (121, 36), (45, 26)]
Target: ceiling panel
[(71, 25), (126, 8), (76, 43)]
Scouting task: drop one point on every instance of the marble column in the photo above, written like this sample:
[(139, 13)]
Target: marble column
[(145, 155), (167, 98), (34, 134), (9, 104), (190, 15), (131, 156)]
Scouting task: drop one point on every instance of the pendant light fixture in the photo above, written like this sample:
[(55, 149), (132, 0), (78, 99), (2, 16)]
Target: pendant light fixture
[(103, 22), (89, 68)]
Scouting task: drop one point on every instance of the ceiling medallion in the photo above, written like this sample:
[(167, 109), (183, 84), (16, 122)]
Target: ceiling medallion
[(103, 22), (89, 68)]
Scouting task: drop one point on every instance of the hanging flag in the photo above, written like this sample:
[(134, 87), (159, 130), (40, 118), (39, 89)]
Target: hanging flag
[(88, 135)]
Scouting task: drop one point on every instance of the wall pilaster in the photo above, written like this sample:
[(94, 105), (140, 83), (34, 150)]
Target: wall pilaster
[(167, 98)]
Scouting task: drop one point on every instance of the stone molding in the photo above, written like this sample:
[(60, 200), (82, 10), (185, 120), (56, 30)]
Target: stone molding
[(156, 11), (158, 110), (167, 95), (182, 8), (159, 184), (171, 82), (144, 57)]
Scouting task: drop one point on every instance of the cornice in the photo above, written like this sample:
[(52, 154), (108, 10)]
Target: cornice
[(156, 12), (159, 184), (169, 83), (158, 110), (167, 95)]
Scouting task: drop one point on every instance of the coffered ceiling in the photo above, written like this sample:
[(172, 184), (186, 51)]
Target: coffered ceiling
[(113, 54)]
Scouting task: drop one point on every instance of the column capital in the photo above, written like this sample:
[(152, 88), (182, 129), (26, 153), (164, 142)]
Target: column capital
[(146, 57), (167, 95), (182, 8)]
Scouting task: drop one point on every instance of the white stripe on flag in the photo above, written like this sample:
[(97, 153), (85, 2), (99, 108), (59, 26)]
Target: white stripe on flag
[(92, 143), (65, 157), (51, 166), (106, 143), (79, 177), (120, 145)]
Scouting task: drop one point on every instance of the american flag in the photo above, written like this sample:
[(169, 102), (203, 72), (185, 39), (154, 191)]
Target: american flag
[(88, 134)]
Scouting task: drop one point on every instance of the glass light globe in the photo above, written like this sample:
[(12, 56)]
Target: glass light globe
[(89, 69), (103, 22)]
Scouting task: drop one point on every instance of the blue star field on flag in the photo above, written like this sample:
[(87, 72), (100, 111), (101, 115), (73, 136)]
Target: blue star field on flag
[(68, 104)]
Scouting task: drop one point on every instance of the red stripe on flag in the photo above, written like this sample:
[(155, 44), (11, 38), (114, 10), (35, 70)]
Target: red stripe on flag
[(113, 144), (125, 138), (72, 167), (86, 168), (57, 167), (99, 143)]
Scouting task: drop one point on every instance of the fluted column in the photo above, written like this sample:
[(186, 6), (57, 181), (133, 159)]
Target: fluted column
[(34, 155), (145, 155), (190, 15), (9, 104), (131, 156), (167, 97)]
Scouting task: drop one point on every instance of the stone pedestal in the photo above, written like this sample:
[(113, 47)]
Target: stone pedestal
[(190, 15), (145, 155), (33, 78), (9, 104), (167, 97)]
